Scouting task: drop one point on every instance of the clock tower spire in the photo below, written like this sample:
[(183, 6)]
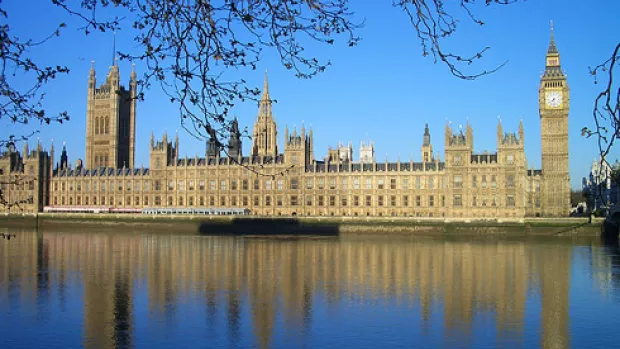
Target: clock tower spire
[(553, 101)]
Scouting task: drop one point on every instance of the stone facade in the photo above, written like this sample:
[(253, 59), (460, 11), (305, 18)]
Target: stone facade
[(465, 185)]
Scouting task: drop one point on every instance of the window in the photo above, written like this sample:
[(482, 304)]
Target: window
[(293, 200), (309, 183), (170, 185), (257, 200), (244, 201), (368, 183), (157, 200), (458, 181), (78, 186), (368, 200), (510, 181), (244, 184), (257, 184), (418, 200), (201, 201), (393, 183), (280, 184), (458, 201), (343, 201), (474, 181), (321, 203), (417, 182), (404, 183), (233, 201), (356, 183), (510, 158), (458, 160), (294, 183), (405, 200), (223, 185), (493, 184), (356, 200), (211, 185), (268, 184), (309, 200), (380, 200), (211, 200), (180, 201), (380, 183), (343, 184), (181, 186), (191, 185), (332, 200), (332, 183), (493, 203), (431, 182), (201, 185), (267, 200), (431, 201), (222, 201), (279, 200), (473, 201), (393, 200), (170, 201), (321, 183), (233, 184), (484, 181), (443, 200), (510, 201)]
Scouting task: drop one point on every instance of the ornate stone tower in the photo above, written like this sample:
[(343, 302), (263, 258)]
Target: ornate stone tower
[(427, 147), (367, 153), (110, 121), (234, 141), (265, 140), (553, 100)]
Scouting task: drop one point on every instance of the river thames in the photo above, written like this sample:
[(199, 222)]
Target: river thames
[(140, 290)]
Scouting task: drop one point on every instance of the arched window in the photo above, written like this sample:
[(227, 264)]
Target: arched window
[(107, 122), (96, 126)]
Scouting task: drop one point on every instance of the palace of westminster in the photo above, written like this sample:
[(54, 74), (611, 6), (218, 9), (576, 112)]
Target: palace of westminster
[(294, 182)]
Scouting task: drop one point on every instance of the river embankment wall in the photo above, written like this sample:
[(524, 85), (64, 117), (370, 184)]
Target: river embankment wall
[(253, 225)]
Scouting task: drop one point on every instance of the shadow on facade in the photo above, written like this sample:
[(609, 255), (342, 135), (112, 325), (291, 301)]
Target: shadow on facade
[(267, 226)]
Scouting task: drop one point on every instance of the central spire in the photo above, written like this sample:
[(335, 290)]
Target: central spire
[(265, 96), (552, 48)]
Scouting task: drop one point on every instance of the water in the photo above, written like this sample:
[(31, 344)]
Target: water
[(103, 290)]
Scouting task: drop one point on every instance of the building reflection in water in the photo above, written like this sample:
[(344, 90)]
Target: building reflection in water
[(273, 285)]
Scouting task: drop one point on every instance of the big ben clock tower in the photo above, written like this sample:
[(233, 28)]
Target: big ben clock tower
[(553, 101)]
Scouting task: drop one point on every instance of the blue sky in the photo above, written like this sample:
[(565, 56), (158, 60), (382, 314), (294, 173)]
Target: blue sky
[(381, 90)]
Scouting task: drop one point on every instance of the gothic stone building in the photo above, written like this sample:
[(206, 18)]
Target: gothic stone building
[(294, 182)]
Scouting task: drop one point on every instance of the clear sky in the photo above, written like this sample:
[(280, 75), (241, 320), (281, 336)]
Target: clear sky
[(381, 90)]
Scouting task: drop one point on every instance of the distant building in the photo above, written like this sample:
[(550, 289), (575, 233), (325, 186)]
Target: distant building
[(267, 182), (601, 190)]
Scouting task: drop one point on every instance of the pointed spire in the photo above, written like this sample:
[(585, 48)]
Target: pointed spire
[(265, 96), (427, 136), (133, 72), (552, 48), (92, 68)]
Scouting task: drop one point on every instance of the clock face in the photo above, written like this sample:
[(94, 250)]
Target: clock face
[(553, 99)]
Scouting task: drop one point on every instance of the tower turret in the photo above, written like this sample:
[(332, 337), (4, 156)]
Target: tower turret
[(265, 132), (427, 148)]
